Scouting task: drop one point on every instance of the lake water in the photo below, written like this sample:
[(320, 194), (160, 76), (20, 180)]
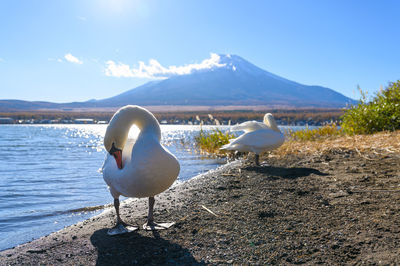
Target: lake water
[(49, 174)]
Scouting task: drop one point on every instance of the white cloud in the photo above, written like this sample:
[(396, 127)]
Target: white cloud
[(155, 70), (72, 59), (1, 59)]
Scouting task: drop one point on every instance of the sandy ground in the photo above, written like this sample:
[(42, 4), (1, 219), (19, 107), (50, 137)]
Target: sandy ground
[(338, 207)]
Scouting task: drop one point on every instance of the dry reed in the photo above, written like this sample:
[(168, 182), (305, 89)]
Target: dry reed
[(382, 143)]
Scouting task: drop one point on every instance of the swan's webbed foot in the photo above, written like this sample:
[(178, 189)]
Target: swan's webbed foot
[(151, 226), (121, 228)]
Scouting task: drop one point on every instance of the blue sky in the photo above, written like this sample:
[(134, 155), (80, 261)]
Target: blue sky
[(62, 51)]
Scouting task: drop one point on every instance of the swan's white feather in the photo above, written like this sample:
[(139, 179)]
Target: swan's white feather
[(148, 168), (257, 141), (249, 126)]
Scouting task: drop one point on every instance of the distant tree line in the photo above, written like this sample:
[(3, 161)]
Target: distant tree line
[(316, 116), (286, 117)]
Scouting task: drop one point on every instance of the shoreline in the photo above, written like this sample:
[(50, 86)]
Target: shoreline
[(108, 210), (336, 207), (186, 116)]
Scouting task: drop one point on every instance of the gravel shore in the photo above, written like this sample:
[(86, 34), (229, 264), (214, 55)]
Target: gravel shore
[(339, 207)]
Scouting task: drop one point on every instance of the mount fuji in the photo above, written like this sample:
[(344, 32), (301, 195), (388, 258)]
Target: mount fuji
[(232, 82)]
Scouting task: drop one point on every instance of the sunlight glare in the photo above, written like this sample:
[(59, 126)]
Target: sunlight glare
[(116, 6)]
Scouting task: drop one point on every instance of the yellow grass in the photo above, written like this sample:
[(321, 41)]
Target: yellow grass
[(209, 142), (327, 131)]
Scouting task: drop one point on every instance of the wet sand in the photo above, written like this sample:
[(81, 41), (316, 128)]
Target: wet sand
[(339, 207)]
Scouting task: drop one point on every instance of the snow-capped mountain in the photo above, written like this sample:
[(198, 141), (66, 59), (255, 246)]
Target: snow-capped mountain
[(235, 82), (231, 81)]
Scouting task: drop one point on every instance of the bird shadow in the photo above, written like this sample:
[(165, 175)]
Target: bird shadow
[(283, 172), (134, 248)]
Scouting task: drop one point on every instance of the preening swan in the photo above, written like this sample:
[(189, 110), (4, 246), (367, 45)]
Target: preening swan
[(258, 137), (137, 168)]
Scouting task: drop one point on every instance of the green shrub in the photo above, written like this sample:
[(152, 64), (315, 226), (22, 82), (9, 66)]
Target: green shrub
[(211, 141), (379, 114)]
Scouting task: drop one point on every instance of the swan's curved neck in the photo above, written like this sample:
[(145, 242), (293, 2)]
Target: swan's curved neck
[(118, 128), (140, 117)]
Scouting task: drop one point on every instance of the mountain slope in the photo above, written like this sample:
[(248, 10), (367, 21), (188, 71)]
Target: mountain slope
[(234, 81), (238, 82)]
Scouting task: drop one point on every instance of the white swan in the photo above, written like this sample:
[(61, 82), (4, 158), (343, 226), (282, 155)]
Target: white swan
[(138, 168), (258, 137)]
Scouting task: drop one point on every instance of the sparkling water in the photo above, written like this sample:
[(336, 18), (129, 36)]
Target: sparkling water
[(49, 175)]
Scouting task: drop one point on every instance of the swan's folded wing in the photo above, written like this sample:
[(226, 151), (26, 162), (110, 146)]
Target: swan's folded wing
[(249, 126), (256, 141)]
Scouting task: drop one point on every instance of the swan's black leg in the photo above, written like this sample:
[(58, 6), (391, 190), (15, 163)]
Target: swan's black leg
[(257, 157), (116, 206), (150, 217), (237, 154)]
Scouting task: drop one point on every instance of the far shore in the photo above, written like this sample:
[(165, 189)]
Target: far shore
[(330, 205), (183, 116)]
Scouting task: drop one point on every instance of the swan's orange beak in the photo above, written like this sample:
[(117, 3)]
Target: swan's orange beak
[(118, 158), (117, 153)]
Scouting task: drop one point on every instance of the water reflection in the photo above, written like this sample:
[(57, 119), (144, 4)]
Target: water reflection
[(48, 170)]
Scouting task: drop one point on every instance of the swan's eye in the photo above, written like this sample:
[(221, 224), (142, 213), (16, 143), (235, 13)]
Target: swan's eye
[(113, 149)]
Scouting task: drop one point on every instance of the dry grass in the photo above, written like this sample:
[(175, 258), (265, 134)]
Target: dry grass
[(381, 143)]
